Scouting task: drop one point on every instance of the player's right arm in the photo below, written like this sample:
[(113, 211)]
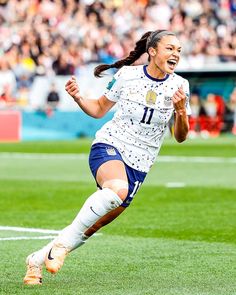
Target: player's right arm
[(96, 108)]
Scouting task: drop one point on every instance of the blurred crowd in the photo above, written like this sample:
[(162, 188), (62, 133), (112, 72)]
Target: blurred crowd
[(59, 37), (213, 115)]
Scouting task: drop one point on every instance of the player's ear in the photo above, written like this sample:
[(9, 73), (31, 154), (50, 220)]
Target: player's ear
[(152, 51)]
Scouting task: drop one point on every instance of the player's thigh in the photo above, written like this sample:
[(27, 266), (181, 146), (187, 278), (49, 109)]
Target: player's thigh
[(112, 174), (113, 169)]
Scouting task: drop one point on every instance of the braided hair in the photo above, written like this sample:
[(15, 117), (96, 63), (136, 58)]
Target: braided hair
[(149, 39)]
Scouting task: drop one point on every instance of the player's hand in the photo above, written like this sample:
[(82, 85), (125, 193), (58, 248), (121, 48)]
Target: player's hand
[(73, 89), (179, 99)]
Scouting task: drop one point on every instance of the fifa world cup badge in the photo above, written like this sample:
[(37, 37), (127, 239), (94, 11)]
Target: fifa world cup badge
[(151, 97)]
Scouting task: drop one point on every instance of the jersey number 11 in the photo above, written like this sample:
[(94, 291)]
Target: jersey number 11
[(146, 116)]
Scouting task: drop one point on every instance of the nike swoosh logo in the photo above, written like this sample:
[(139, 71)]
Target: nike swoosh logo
[(94, 211), (49, 255)]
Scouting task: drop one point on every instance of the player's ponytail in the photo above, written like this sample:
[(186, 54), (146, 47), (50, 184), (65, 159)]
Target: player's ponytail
[(140, 48), (149, 39)]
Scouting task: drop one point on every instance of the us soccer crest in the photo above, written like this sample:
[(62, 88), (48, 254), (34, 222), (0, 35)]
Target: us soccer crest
[(111, 151), (151, 97), (167, 101)]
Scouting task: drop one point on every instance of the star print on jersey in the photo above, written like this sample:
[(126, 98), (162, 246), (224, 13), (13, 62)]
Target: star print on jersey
[(144, 109)]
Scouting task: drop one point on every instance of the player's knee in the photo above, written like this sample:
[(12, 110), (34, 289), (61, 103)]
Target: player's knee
[(122, 193), (120, 187)]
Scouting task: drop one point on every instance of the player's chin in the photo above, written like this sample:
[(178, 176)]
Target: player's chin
[(169, 70)]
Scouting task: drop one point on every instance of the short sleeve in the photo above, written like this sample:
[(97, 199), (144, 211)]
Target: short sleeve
[(187, 92), (113, 88)]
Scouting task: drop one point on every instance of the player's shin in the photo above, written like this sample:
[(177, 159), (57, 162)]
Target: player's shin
[(72, 237), (95, 207)]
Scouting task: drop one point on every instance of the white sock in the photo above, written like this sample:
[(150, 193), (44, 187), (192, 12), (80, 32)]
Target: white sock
[(72, 236), (96, 206), (38, 257)]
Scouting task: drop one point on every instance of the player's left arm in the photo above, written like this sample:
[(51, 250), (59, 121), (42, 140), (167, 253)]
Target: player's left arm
[(181, 122)]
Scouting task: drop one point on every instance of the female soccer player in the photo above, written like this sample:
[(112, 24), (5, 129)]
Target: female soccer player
[(126, 147)]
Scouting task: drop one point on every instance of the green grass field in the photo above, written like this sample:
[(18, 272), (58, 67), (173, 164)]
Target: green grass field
[(177, 238)]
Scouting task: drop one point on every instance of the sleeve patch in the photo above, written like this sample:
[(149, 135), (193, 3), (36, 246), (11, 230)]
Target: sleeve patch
[(111, 83)]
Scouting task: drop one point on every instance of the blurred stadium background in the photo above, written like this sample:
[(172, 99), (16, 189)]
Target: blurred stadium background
[(43, 42), (179, 235)]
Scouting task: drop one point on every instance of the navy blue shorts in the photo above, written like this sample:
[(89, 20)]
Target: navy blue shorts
[(101, 153)]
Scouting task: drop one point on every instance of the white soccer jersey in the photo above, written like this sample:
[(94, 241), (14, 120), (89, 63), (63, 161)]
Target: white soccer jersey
[(144, 109)]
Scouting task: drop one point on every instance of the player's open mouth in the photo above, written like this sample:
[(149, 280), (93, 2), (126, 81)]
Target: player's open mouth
[(172, 63)]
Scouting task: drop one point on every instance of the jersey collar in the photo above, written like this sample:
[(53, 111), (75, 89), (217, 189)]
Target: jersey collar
[(154, 79)]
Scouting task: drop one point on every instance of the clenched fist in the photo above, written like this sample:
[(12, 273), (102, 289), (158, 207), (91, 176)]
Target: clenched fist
[(73, 89), (179, 100)]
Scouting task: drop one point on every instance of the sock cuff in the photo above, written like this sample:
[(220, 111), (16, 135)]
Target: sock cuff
[(112, 197), (97, 205)]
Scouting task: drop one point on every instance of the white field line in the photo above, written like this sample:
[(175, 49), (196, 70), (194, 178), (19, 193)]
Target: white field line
[(175, 184), (28, 230), (36, 156), (31, 230), (27, 238), (213, 160)]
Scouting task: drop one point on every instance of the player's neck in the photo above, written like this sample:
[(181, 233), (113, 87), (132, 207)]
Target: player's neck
[(156, 72)]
